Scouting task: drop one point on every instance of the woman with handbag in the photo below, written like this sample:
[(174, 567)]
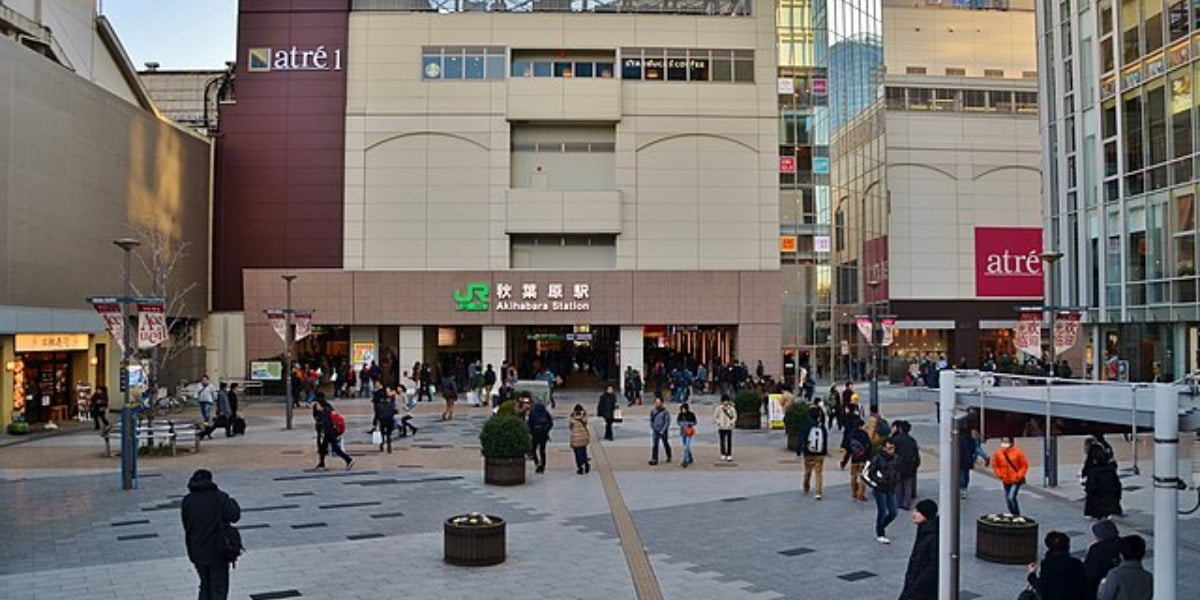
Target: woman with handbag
[(686, 419), (580, 438), (1010, 466)]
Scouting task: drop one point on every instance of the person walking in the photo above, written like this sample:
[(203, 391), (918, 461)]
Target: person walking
[(580, 438), (1128, 580), (921, 577), (1102, 555), (1060, 575), (814, 447), (331, 428), (686, 420), (384, 405), (450, 395), (540, 423), (832, 404), (233, 410), (1010, 466), (908, 460), (207, 512), (725, 418), (970, 449), (877, 427), (856, 449), (407, 403), (1101, 485), (99, 408), (606, 409), (881, 474), (489, 382), (660, 426), (224, 414), (206, 395)]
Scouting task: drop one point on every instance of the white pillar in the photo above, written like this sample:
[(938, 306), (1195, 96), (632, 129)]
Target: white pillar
[(1166, 495), (947, 489), (412, 347), (632, 353), (494, 342)]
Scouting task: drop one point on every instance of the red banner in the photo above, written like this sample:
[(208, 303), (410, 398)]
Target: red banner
[(152, 324), (278, 321), (1029, 334), (114, 321), (1008, 262), (1066, 331), (303, 321)]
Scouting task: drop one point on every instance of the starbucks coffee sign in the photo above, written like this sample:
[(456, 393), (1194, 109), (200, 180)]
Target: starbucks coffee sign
[(525, 297)]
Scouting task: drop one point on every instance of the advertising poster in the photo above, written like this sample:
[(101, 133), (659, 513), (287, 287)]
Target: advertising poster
[(775, 408), (1008, 262), (266, 370), (152, 324), (363, 353)]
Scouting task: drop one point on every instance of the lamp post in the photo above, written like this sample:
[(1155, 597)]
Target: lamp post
[(1050, 257), (1050, 443), (875, 335), (128, 447), (289, 342)]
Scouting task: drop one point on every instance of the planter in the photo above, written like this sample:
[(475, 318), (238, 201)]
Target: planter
[(474, 545), (18, 428), (504, 471), (793, 441), (1006, 543), (748, 421)]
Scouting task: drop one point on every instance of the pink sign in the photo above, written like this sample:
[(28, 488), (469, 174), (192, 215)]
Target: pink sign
[(787, 164), (1029, 334), (875, 263), (1008, 262), (1066, 331)]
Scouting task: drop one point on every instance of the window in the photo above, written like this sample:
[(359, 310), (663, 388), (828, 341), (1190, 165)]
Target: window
[(1028, 74), (956, 72), (1107, 63), (1153, 26), (1181, 115), (1156, 121), (1134, 160), (895, 98), (994, 73), (653, 63), (1025, 102), (1178, 19), (1130, 38), (631, 63), (1002, 101), (920, 98), (441, 63), (914, 70), (839, 228), (974, 100), (943, 99), (683, 64)]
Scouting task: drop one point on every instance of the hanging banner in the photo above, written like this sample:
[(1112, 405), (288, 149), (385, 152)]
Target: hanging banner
[(110, 310), (888, 324), (1029, 334), (1066, 331), (303, 321), (864, 327), (152, 324), (278, 322)]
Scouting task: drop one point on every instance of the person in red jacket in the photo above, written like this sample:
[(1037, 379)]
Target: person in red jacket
[(1010, 466)]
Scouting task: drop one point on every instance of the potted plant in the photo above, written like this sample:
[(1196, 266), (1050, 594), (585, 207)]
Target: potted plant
[(793, 422), (504, 441), (474, 540), (1006, 539), (749, 409), (18, 427)]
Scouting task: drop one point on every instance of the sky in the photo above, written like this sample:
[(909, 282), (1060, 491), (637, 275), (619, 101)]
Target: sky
[(177, 34)]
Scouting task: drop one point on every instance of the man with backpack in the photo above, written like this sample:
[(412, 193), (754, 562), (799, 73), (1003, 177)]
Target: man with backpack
[(540, 423), (330, 427), (881, 475), (213, 543), (814, 446), (908, 460), (877, 427), (856, 448)]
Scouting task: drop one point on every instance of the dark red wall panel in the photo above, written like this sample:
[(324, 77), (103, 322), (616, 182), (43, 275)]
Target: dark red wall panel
[(280, 163)]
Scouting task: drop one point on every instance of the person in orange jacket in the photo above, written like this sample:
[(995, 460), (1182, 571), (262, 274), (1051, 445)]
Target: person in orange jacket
[(1010, 466)]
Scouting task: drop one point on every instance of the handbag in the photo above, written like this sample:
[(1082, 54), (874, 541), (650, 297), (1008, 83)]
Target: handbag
[(689, 430), (376, 437), (1014, 468)]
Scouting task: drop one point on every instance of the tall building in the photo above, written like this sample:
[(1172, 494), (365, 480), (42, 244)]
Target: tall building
[(1119, 133), (588, 184), (85, 158), (936, 197)]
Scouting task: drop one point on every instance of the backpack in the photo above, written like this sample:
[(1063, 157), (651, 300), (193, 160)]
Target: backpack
[(816, 441), (232, 546), (339, 423), (882, 429), (857, 450)]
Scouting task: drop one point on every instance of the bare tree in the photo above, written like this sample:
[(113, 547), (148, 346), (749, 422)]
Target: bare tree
[(159, 257)]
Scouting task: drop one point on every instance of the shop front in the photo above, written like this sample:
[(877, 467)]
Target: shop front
[(51, 376)]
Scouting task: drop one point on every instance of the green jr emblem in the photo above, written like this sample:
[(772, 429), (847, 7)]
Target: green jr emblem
[(475, 299)]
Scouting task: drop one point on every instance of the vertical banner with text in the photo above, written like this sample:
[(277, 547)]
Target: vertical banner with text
[(303, 325), (278, 321), (1029, 334), (152, 324), (888, 324), (109, 309), (864, 327), (1066, 331)]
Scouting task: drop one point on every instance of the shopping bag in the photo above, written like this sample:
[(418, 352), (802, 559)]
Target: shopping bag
[(617, 416), (473, 398), (376, 437)]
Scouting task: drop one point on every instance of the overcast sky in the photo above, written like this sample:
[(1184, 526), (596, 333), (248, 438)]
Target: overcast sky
[(177, 34)]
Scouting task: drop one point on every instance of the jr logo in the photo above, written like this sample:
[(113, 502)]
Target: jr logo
[(475, 299)]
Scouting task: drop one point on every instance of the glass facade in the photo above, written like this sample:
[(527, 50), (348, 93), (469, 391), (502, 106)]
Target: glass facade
[(1120, 133)]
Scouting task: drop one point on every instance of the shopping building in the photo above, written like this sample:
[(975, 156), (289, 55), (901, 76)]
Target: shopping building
[(85, 158), (1119, 131), (936, 190), (597, 181)]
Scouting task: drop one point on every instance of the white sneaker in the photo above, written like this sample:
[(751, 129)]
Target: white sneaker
[(883, 540)]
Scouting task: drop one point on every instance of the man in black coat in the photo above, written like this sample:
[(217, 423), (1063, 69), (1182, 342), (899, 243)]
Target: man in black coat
[(206, 512), (1103, 555), (921, 578), (908, 460), (606, 409), (1060, 576)]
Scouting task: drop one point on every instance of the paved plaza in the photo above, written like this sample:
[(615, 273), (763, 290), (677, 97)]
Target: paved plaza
[(734, 531)]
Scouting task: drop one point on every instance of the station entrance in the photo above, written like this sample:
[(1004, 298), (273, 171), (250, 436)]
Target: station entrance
[(583, 355)]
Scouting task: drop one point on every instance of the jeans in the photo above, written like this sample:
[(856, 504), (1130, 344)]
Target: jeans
[(405, 426), (386, 427), (906, 491), (725, 441), (206, 411), (539, 449), (581, 457), (214, 581), (660, 437), (325, 445), (100, 414), (964, 479), (1010, 496), (814, 464), (687, 449), (885, 511), (608, 434)]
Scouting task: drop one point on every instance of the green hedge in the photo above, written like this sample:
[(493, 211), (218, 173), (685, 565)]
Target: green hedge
[(505, 436), (747, 401)]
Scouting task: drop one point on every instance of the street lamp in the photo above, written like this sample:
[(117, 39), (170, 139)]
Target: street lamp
[(1049, 257), (289, 343), (1050, 443), (874, 389), (128, 447)]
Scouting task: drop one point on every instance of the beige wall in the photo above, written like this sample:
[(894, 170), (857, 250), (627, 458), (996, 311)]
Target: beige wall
[(936, 38), (428, 162)]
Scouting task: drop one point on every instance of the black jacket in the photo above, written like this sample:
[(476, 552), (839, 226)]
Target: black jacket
[(883, 472), (205, 511), (863, 441), (921, 578), (607, 406), (1061, 578), (489, 377), (1101, 558), (908, 456)]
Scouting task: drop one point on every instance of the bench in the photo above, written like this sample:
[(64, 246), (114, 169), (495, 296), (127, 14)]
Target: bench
[(157, 434)]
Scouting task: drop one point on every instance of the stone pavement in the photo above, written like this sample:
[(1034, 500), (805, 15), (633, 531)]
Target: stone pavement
[(719, 531)]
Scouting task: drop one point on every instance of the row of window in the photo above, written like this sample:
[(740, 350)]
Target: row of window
[(1144, 28), (440, 63), (563, 68), (459, 62), (961, 72), (959, 100), (680, 64)]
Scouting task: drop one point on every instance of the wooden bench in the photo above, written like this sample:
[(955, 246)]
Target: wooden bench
[(185, 434)]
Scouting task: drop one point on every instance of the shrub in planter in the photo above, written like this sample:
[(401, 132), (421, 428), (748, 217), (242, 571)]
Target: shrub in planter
[(507, 408), (18, 428), (749, 409), (504, 441), (793, 421)]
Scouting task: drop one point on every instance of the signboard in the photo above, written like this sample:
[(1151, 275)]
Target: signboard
[(864, 327), (152, 324), (888, 325), (775, 410), (787, 86), (475, 298), (845, 347), (1066, 331), (109, 309), (278, 321), (822, 244), (524, 297), (263, 59), (1008, 262), (266, 370), (787, 243), (820, 165), (303, 321), (875, 261), (1028, 338), (362, 353), (787, 164), (820, 86), (51, 342)]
